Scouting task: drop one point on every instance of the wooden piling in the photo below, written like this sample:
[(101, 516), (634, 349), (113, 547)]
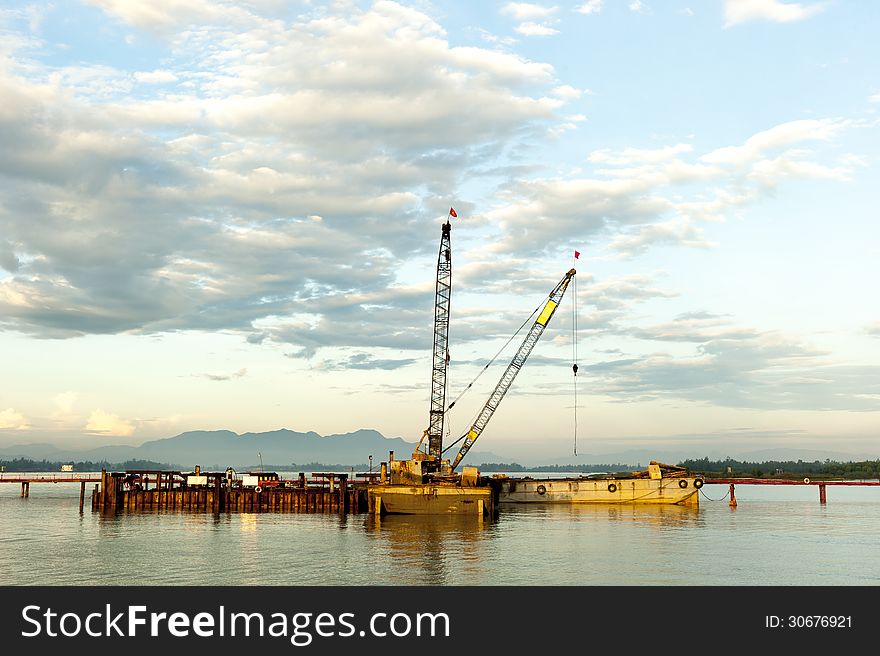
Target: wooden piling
[(732, 502), (82, 495)]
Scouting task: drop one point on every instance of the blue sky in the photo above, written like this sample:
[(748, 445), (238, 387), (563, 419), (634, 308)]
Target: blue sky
[(226, 215)]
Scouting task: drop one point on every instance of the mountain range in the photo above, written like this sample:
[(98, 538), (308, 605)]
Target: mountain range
[(225, 448)]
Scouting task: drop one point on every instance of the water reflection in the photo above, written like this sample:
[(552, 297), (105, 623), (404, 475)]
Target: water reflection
[(430, 548), (657, 515)]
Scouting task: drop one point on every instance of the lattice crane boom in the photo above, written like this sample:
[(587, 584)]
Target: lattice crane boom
[(441, 343), (513, 368)]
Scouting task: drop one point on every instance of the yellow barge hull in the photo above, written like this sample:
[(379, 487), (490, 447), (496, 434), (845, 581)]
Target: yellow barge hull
[(680, 491), (431, 500)]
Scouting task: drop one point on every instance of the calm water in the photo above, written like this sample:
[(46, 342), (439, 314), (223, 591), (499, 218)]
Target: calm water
[(777, 536)]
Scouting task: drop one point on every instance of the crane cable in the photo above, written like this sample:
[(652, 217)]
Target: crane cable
[(482, 371), (574, 358), (495, 357)]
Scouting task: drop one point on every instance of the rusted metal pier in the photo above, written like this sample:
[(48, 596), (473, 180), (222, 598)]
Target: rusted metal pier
[(733, 482), (168, 491), (27, 478)]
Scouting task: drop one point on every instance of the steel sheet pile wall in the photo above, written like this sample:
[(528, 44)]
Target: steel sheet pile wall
[(111, 497)]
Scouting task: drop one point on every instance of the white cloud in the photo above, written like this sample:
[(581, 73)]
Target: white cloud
[(524, 11), (11, 419), (106, 423), (641, 197), (741, 11), (589, 7), (792, 165), (875, 98), (64, 402), (155, 77), (681, 232), (241, 373), (638, 7), (535, 29), (776, 137), (567, 92)]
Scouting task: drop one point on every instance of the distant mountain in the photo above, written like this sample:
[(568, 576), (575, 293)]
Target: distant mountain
[(226, 448)]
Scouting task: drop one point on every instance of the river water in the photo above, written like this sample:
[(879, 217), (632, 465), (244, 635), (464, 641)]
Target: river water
[(778, 535)]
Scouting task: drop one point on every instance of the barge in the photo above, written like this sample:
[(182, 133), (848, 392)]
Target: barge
[(424, 485), (659, 484)]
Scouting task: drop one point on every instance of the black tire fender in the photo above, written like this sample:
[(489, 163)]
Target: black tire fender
[(612, 487), (698, 483), (682, 483), (541, 489)]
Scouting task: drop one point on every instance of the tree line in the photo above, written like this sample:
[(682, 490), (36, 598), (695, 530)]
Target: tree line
[(30, 465), (865, 469)]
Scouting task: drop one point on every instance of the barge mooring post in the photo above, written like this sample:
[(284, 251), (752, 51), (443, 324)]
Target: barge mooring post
[(732, 502), (821, 492), (82, 496)]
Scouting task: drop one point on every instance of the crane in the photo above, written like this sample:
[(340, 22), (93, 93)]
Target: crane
[(428, 462), (513, 368), (441, 342)]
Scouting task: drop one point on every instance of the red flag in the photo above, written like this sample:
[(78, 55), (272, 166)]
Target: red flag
[(452, 213), (577, 254)]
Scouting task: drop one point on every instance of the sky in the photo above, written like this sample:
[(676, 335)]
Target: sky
[(226, 215)]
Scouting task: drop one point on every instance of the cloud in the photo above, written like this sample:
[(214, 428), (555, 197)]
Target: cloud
[(8, 259), (274, 190), (524, 11), (734, 366), (64, 402), (776, 137), (873, 329), (638, 198), (742, 11), (367, 362), (638, 7), (155, 77), (105, 423), (219, 377), (12, 419), (535, 29), (677, 232), (589, 7), (536, 19)]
